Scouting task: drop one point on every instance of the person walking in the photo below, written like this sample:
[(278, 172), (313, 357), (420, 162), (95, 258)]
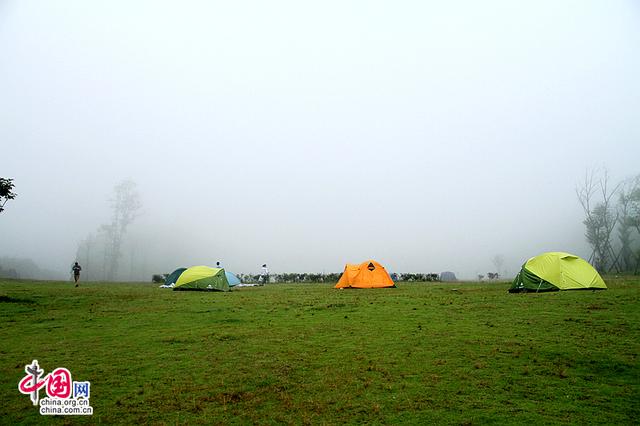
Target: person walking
[(76, 272), (265, 274)]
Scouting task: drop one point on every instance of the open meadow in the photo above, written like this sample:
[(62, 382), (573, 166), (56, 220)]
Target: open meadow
[(446, 353)]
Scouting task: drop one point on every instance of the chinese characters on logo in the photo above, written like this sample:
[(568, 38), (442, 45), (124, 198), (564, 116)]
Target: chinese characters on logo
[(58, 382), (64, 395)]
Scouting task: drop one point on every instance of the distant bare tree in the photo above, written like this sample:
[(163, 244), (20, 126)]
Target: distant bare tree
[(83, 255), (6, 192), (88, 254), (629, 224), (600, 217), (627, 203), (125, 205), (498, 263)]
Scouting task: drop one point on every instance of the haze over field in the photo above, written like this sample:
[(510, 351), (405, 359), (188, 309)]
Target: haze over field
[(430, 137)]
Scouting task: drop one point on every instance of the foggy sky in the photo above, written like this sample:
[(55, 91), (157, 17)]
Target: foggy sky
[(429, 136)]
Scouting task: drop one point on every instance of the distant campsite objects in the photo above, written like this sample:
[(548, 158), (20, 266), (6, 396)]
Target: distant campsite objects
[(552, 271), (369, 274), (555, 271)]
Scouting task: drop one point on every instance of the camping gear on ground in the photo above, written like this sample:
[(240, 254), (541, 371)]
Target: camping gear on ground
[(557, 271), (202, 278), (369, 274)]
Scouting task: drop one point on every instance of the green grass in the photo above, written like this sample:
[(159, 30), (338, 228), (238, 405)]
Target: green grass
[(418, 354)]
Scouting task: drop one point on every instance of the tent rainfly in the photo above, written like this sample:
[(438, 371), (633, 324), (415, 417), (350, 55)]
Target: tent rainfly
[(202, 278), (232, 279), (369, 274), (448, 276), (557, 271), (172, 278)]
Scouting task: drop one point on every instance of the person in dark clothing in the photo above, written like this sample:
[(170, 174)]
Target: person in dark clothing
[(264, 277), (76, 272)]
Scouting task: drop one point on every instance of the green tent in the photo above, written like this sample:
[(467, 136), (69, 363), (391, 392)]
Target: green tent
[(202, 278), (173, 277), (556, 271)]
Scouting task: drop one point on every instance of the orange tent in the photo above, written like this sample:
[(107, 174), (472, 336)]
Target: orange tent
[(369, 274)]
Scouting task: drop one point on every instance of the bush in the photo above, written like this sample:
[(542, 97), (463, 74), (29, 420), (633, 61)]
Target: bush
[(158, 278)]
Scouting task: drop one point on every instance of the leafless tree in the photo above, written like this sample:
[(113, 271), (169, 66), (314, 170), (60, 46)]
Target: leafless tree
[(626, 222), (83, 255), (595, 195), (498, 262), (629, 224), (125, 205)]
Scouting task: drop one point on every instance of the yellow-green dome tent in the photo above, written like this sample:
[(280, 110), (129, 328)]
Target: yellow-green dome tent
[(557, 271), (202, 278)]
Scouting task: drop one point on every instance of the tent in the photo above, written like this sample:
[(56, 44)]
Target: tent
[(369, 274), (448, 276), (232, 279), (202, 278), (173, 277), (556, 271)]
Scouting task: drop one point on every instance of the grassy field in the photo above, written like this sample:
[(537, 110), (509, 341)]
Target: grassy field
[(309, 354)]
